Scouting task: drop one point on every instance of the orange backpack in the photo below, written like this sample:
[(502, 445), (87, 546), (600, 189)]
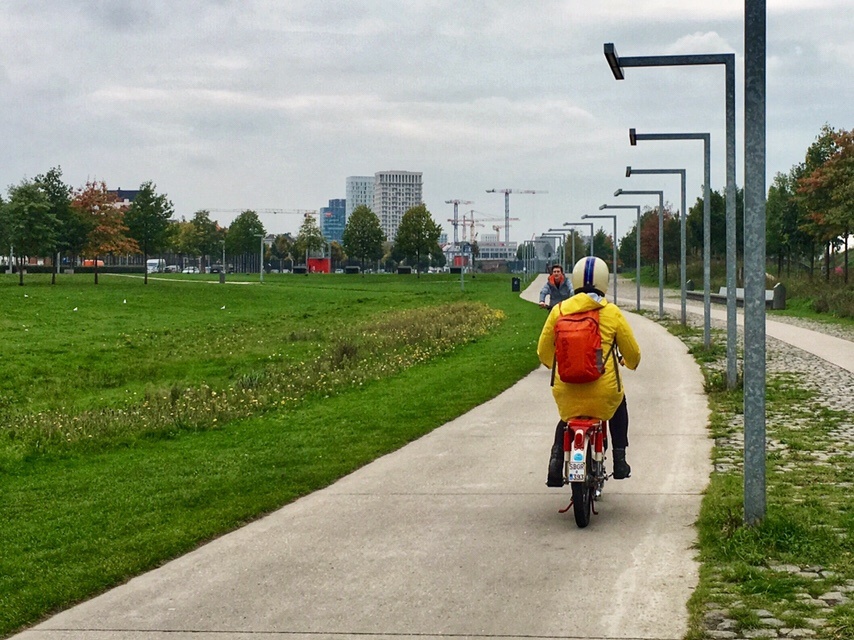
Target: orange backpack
[(578, 347)]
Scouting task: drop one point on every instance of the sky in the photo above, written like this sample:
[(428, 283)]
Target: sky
[(229, 105)]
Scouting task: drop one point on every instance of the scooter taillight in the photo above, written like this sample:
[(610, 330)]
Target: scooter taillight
[(579, 440)]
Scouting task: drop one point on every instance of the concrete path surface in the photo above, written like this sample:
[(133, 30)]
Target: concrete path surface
[(454, 535)]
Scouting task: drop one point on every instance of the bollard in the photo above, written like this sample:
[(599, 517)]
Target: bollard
[(779, 300)]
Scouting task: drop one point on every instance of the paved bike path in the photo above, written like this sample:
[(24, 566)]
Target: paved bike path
[(454, 535), (834, 350)]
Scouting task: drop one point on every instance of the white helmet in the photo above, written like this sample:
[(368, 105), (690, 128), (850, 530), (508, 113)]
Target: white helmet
[(590, 275)]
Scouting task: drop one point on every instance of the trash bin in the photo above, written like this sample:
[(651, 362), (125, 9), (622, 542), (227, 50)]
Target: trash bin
[(517, 284), (222, 277)]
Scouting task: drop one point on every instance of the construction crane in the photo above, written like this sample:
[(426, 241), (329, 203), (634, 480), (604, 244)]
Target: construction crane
[(507, 193), (471, 224), (456, 204)]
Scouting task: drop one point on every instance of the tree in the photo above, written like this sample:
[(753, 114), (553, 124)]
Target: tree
[(282, 249), (828, 191), (147, 221), (108, 232), (814, 198), (417, 234), (336, 253), (627, 251), (71, 232), (783, 215), (244, 237), (30, 224), (602, 246), (210, 238), (310, 238), (363, 236)]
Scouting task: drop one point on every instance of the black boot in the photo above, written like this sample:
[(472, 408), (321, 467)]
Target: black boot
[(622, 469), (555, 478)]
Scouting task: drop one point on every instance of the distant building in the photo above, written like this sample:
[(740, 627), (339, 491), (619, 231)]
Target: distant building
[(490, 247), (333, 220), (395, 192), (360, 190), (124, 197)]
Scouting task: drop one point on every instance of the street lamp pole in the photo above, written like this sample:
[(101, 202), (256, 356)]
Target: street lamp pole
[(561, 237), (614, 245), (637, 241), (261, 263), (682, 232), (660, 195), (617, 64), (634, 137), (562, 233), (754, 260)]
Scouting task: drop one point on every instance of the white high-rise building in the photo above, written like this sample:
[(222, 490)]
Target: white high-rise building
[(360, 190), (395, 192)]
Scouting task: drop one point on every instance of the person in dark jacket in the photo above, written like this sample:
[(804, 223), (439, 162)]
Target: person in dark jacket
[(557, 288)]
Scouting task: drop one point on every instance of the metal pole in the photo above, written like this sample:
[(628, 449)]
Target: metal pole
[(634, 137), (637, 243), (613, 246), (617, 64), (754, 261), (660, 239), (731, 315), (682, 232)]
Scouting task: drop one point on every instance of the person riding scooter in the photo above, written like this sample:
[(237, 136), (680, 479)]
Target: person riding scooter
[(603, 398), (557, 288)]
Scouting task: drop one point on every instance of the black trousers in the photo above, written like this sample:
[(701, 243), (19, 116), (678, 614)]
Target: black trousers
[(618, 424)]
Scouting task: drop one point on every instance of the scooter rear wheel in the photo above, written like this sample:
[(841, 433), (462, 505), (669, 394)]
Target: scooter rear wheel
[(582, 495)]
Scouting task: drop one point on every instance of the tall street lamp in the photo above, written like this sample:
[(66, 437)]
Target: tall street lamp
[(682, 221), (562, 233), (617, 64), (754, 260), (261, 263), (634, 137), (613, 243), (581, 224), (660, 195), (637, 241)]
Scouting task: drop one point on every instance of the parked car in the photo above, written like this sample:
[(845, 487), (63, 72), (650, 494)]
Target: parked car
[(171, 268), (191, 270)]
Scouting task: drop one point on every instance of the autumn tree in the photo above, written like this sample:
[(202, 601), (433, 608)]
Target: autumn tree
[(826, 190), (108, 232), (417, 235), (363, 236), (147, 221)]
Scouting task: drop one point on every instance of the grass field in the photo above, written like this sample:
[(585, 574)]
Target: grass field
[(137, 422)]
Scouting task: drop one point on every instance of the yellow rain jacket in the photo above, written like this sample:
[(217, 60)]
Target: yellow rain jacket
[(600, 398)]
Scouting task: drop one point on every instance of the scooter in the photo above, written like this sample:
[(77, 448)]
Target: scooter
[(585, 442)]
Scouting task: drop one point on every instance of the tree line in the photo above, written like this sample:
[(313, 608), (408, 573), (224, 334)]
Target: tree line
[(43, 217)]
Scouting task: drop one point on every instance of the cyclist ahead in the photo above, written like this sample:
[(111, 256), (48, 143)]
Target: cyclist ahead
[(557, 288), (603, 398)]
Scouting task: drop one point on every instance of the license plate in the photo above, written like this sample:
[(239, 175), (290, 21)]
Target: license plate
[(576, 472)]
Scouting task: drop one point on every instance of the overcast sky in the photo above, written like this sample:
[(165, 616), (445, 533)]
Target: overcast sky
[(235, 104)]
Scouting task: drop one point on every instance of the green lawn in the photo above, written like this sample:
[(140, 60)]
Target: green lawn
[(137, 422)]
